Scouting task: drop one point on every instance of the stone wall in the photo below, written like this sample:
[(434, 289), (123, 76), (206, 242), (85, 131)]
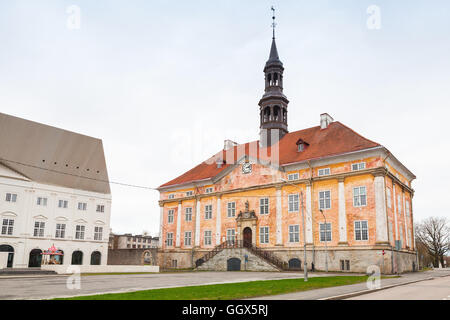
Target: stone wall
[(131, 256), (219, 261)]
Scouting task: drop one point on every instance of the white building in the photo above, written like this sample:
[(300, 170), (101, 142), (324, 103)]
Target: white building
[(54, 191)]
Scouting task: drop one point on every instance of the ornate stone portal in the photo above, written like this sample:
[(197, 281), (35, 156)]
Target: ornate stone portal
[(246, 226)]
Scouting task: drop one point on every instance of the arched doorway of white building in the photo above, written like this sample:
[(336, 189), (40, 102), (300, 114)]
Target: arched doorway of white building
[(10, 250), (77, 258), (96, 258), (35, 259)]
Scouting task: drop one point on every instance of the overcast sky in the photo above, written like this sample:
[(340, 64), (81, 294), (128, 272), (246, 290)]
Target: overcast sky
[(163, 83)]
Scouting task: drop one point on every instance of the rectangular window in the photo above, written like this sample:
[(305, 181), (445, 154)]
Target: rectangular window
[(171, 196), (358, 166), (399, 204), (208, 190), (231, 209), (361, 230), (39, 227), (325, 200), (407, 208), (41, 201), (11, 197), (79, 232), (207, 238), (264, 206), (345, 265), (208, 211), (82, 206), (189, 193), (187, 238), (264, 234), (293, 176), (324, 172), (294, 233), (63, 204), (293, 202), (359, 197), (389, 199), (7, 227), (98, 233), (188, 214), (170, 216), (169, 239), (174, 263), (325, 231), (230, 235), (100, 208), (60, 231)]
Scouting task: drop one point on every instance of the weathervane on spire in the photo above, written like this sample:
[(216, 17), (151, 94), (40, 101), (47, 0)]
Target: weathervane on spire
[(273, 23)]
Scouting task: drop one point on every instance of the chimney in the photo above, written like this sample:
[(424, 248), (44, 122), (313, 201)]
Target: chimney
[(325, 120), (228, 144)]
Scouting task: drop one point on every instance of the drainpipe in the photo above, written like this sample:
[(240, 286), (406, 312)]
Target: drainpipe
[(312, 215)]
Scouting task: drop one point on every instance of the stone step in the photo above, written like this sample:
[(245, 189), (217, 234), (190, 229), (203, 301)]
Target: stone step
[(25, 271)]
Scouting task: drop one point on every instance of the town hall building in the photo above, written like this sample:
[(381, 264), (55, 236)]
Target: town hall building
[(243, 209)]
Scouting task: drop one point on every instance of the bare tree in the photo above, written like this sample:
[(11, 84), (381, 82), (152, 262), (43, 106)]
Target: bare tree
[(434, 234)]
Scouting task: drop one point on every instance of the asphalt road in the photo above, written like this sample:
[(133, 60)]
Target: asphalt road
[(45, 287), (436, 289)]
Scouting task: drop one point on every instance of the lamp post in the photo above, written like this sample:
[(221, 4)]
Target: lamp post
[(305, 264), (326, 238)]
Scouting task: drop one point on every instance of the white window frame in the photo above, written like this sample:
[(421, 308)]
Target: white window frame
[(324, 199), (41, 201), (323, 172), (231, 235), (79, 231), (209, 190), (189, 193), (11, 197), (231, 209), (208, 212), (7, 227), (98, 233), (359, 166), (188, 213), (188, 238), (170, 216), (171, 196), (39, 229), (357, 197), (82, 206), (360, 229), (169, 239), (63, 204), (100, 208), (293, 202), (60, 231), (293, 176), (330, 231), (264, 235), (207, 239), (264, 205), (294, 233)]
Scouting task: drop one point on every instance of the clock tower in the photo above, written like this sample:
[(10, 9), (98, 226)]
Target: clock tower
[(273, 104)]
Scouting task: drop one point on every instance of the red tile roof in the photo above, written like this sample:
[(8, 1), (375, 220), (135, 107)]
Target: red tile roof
[(334, 140)]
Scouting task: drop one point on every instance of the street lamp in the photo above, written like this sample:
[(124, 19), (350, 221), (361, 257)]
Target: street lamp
[(305, 264), (326, 237)]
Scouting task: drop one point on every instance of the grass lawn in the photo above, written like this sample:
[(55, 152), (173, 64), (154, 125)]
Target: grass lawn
[(229, 291)]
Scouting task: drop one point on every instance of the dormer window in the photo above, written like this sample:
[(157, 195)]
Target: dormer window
[(301, 145)]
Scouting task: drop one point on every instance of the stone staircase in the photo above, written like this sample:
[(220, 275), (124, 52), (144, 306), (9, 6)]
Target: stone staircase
[(266, 256)]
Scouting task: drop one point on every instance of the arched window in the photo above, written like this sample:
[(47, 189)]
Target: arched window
[(77, 258), (233, 264), (35, 260), (10, 250), (295, 264), (276, 113), (96, 258)]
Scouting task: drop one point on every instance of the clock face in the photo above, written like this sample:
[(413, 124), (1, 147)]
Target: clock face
[(246, 168)]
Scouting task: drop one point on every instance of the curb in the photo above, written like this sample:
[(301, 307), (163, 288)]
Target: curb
[(363, 292)]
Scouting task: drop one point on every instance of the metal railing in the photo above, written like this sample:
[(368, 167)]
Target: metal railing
[(233, 244)]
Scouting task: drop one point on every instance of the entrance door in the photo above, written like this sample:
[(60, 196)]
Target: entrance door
[(247, 237), (35, 258), (233, 264), (8, 248)]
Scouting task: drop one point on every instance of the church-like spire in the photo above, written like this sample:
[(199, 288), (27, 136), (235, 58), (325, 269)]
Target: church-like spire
[(273, 104)]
